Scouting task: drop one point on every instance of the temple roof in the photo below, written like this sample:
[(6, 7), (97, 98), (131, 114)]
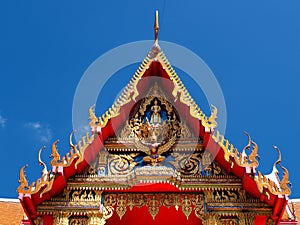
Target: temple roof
[(11, 211), (269, 189)]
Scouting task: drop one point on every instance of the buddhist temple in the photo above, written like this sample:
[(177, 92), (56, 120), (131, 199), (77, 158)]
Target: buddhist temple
[(155, 158)]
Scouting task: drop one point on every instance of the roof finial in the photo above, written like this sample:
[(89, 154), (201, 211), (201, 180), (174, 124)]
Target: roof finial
[(156, 27), (155, 47)]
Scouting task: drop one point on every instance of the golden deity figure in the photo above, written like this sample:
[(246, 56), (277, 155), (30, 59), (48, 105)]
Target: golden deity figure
[(155, 116)]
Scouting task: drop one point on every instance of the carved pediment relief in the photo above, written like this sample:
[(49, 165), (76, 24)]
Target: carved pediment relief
[(153, 128), (188, 164), (154, 117), (156, 135)]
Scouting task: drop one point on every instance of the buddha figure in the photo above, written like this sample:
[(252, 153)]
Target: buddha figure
[(155, 116)]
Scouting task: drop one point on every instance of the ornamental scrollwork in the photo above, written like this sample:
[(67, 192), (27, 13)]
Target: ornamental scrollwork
[(186, 164), (187, 202), (186, 205), (136, 200), (169, 200), (198, 202), (201, 163), (153, 204), (121, 164), (121, 205), (106, 212), (110, 200)]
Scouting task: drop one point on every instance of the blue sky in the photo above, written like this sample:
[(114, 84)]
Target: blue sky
[(252, 47)]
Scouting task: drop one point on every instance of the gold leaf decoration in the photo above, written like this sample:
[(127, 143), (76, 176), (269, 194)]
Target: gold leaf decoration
[(121, 205), (153, 201), (187, 164), (186, 205), (121, 164)]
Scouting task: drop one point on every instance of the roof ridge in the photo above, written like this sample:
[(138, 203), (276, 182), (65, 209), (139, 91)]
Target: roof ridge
[(130, 92)]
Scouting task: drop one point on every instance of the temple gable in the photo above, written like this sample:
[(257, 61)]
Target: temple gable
[(155, 158)]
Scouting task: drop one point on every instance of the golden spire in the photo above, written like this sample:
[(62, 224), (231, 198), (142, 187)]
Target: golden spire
[(156, 27), (155, 47)]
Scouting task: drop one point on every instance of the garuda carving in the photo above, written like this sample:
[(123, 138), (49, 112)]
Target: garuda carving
[(154, 149)]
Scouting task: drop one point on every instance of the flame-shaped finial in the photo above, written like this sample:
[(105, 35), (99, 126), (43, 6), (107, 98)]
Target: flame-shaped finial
[(45, 171), (55, 155), (253, 157), (248, 146), (22, 180), (275, 170), (93, 118), (285, 184), (71, 142)]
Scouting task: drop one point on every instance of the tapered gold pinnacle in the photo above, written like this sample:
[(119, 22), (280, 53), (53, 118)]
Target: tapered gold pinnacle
[(156, 26), (155, 47)]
